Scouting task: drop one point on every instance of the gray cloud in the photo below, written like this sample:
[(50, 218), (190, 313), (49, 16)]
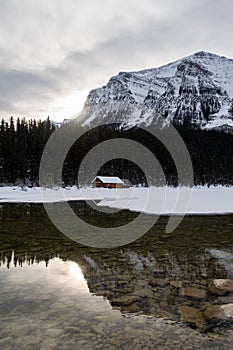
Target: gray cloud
[(49, 50)]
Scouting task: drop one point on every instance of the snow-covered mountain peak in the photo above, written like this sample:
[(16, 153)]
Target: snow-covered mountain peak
[(205, 54), (196, 91)]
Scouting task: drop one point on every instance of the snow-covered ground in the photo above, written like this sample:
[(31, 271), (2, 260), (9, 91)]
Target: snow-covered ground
[(167, 200)]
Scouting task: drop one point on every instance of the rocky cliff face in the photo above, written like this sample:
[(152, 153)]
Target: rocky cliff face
[(196, 91)]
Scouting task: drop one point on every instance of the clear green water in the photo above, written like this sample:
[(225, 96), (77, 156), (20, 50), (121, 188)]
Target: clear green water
[(57, 294)]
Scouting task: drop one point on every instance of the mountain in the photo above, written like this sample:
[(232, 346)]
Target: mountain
[(196, 92), (56, 124)]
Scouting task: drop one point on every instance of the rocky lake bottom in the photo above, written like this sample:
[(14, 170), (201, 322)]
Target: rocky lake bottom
[(163, 291)]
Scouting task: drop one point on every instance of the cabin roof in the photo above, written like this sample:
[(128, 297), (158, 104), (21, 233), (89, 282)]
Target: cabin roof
[(109, 179)]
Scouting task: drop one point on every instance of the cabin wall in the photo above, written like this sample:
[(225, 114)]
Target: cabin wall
[(99, 184), (119, 185), (107, 185)]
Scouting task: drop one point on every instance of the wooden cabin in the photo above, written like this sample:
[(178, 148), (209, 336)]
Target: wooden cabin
[(107, 182)]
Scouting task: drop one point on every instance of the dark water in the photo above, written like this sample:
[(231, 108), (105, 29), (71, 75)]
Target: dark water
[(150, 294)]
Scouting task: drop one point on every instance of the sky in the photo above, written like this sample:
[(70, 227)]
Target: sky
[(53, 52)]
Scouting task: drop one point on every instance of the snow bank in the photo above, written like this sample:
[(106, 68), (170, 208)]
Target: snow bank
[(203, 200)]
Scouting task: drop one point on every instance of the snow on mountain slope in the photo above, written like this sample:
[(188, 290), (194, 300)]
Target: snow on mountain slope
[(196, 91)]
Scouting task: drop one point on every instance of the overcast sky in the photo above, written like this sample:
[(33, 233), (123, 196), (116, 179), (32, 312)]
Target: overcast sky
[(52, 52)]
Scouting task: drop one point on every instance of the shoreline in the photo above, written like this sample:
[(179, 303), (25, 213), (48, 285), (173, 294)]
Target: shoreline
[(196, 201)]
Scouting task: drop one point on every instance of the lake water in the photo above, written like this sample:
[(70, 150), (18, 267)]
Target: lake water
[(150, 294)]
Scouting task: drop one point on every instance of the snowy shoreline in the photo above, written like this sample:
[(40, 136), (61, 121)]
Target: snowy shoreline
[(160, 201)]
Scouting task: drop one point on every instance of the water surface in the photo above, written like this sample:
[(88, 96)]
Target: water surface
[(58, 294)]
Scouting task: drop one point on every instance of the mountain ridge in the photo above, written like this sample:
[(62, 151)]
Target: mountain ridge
[(194, 91)]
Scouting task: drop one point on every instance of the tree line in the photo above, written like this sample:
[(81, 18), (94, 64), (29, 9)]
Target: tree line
[(21, 146), (22, 143)]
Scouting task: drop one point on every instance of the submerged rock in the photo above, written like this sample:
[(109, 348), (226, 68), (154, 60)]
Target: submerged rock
[(194, 292), (133, 308), (220, 286), (143, 293), (158, 282), (193, 317), (226, 300), (176, 284), (123, 300), (219, 313)]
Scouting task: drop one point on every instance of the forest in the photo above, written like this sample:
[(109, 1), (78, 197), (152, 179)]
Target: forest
[(22, 143)]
